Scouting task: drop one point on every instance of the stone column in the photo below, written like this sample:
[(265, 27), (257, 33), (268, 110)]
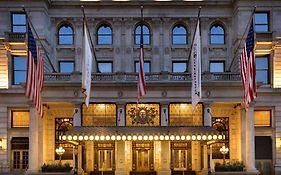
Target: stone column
[(250, 141), (74, 158), (165, 161), (243, 135), (211, 166), (120, 158), (121, 115), (205, 156), (77, 119), (196, 155), (164, 115), (79, 159), (207, 115), (33, 166)]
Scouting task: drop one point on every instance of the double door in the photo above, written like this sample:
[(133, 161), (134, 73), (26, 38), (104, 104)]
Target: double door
[(19, 160), (143, 156)]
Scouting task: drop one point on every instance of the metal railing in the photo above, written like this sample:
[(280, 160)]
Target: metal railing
[(15, 36), (150, 77)]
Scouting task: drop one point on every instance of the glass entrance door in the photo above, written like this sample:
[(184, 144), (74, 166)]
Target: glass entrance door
[(180, 159), (20, 160), (142, 156), (105, 159)]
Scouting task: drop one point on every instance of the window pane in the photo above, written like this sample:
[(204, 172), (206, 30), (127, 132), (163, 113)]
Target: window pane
[(262, 118), (20, 119), (262, 63), (19, 70), (66, 67), (217, 30), (179, 39), (261, 18), (66, 30), (146, 35), (217, 39), (19, 28), (104, 40), (19, 19), (104, 30), (66, 40), (181, 115), (262, 77), (105, 67), (216, 66), (261, 28), (262, 71), (146, 67), (179, 30), (179, 66), (99, 115)]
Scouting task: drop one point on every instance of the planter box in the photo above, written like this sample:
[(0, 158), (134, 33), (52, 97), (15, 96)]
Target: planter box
[(235, 173)]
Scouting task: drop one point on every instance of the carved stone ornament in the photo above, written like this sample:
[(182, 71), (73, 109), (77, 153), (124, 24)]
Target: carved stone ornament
[(142, 115)]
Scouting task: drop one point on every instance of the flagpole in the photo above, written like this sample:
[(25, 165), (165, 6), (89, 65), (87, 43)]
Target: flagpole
[(243, 36), (188, 58), (91, 41), (29, 22)]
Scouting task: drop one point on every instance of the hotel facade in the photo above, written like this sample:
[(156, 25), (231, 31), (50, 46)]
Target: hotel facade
[(159, 135)]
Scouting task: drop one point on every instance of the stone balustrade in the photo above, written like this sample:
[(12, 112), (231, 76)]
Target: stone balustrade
[(132, 77)]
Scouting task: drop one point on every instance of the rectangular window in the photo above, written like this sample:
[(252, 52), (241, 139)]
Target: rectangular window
[(66, 66), (261, 22), (262, 118), (146, 66), (99, 115), (105, 66), (262, 70), (179, 66), (18, 22), (19, 69), (181, 115), (20, 119), (217, 66)]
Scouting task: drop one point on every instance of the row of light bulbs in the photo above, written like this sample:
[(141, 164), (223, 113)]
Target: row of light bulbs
[(140, 137)]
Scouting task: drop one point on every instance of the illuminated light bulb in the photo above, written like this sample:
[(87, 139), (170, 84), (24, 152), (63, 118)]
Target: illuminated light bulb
[(139, 137), (118, 137), (91, 137), (156, 137), (107, 137), (182, 137), (178, 137), (167, 137), (215, 137), (220, 137), (64, 137), (102, 137), (113, 137), (74, 137), (145, 137), (204, 137), (135, 137), (161, 137), (150, 137), (129, 137), (80, 138), (210, 137), (124, 137), (199, 137), (172, 137), (86, 137), (97, 137), (193, 137), (188, 137), (69, 137)]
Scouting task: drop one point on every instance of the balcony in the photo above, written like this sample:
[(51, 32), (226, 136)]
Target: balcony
[(163, 77), (15, 37)]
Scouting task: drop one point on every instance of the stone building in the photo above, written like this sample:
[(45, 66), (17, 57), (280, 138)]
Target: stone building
[(160, 135)]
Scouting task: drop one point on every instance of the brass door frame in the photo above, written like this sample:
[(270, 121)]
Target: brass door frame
[(22, 166), (103, 146), (137, 146), (181, 146)]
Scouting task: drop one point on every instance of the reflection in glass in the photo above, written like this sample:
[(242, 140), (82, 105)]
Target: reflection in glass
[(104, 35), (105, 67), (179, 66), (217, 34), (66, 66), (18, 22), (262, 72), (19, 69), (146, 67), (105, 160), (146, 34), (179, 35), (217, 66), (66, 35), (261, 22)]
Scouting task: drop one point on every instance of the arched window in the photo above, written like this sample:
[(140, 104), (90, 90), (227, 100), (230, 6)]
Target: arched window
[(146, 34), (217, 34), (66, 35), (179, 35), (104, 34)]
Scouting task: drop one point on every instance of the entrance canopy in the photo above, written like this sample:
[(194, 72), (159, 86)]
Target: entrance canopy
[(142, 133)]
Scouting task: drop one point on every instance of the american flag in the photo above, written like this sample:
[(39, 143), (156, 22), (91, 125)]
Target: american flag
[(34, 73), (141, 77), (248, 68)]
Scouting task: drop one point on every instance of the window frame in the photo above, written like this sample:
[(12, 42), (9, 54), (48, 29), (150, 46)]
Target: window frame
[(99, 35), (12, 21), (59, 35), (211, 34), (186, 34), (268, 21), (268, 68), (179, 61), (135, 66), (12, 116), (66, 61), (216, 61), (13, 73), (136, 34), (106, 62), (270, 118)]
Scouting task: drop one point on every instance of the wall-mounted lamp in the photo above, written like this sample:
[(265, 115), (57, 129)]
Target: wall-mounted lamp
[(3, 143)]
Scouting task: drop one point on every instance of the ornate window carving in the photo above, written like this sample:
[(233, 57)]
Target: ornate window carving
[(142, 115)]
